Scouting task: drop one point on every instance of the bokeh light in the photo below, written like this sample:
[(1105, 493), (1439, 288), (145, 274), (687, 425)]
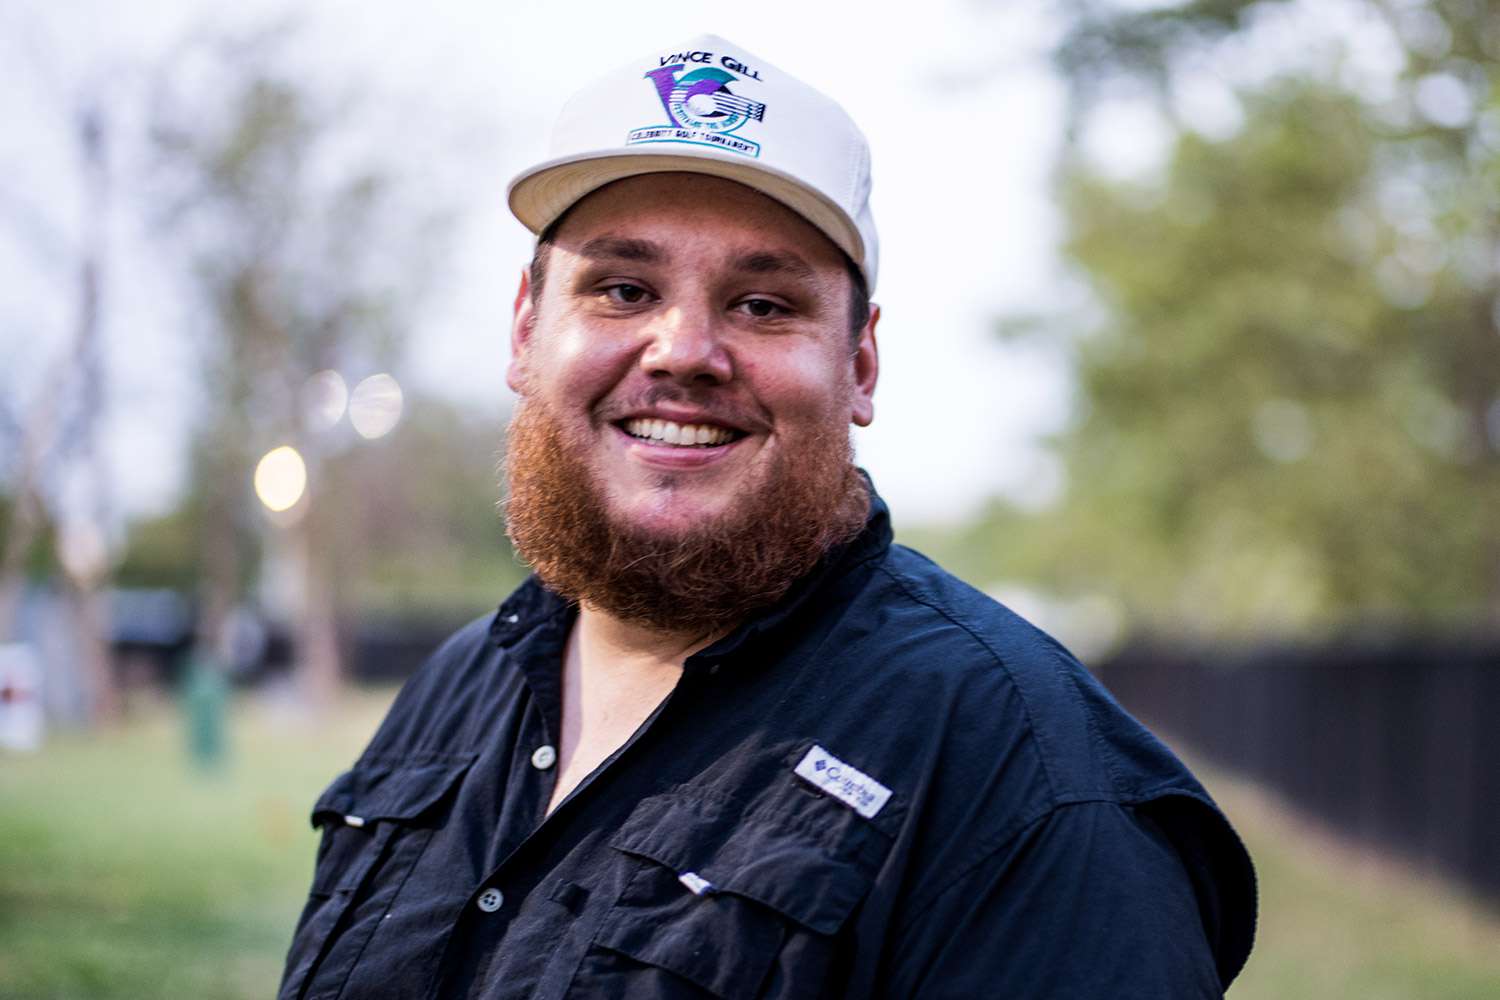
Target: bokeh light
[(324, 398), (1283, 430), (83, 549), (280, 478), (375, 406)]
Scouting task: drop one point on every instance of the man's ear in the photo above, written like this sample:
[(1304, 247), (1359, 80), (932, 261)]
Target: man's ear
[(866, 363), (522, 323)]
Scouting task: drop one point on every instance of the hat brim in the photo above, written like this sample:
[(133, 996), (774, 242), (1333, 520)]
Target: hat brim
[(540, 195)]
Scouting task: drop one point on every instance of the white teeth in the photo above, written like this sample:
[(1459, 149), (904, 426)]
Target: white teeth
[(678, 434)]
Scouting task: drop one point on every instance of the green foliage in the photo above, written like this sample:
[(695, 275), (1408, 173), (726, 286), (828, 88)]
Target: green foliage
[(410, 522), (1105, 45), (1288, 394), (413, 517), (161, 552), (40, 561)]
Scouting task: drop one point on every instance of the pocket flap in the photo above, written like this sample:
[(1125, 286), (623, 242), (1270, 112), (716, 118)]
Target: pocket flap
[(377, 790), (774, 864)]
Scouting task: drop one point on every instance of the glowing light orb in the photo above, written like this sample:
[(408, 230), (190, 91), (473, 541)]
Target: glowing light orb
[(280, 478), (375, 406), (324, 397)]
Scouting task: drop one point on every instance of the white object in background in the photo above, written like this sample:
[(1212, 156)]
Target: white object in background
[(21, 720)]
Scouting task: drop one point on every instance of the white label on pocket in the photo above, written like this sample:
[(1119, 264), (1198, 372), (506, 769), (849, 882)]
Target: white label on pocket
[(699, 885), (849, 785)]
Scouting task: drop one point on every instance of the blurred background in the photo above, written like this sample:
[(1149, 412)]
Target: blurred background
[(1191, 348)]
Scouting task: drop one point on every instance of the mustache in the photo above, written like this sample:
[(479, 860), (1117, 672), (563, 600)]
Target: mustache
[(710, 403)]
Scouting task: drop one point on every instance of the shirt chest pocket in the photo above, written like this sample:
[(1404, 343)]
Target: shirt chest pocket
[(376, 820), (728, 905)]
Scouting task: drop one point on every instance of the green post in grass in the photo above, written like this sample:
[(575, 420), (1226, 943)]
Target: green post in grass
[(205, 697)]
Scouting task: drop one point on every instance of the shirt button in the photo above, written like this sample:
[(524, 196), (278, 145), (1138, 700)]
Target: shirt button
[(489, 901), (544, 757)]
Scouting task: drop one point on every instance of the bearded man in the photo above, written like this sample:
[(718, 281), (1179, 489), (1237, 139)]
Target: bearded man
[(729, 740)]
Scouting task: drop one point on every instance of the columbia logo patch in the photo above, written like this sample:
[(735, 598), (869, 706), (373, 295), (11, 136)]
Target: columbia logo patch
[(853, 787)]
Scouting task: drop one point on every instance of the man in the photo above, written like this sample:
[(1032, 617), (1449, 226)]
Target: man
[(729, 740)]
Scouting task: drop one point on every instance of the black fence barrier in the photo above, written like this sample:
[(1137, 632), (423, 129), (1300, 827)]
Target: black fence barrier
[(387, 650), (1394, 742)]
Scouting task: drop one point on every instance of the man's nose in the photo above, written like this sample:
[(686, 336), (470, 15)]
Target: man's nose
[(687, 345)]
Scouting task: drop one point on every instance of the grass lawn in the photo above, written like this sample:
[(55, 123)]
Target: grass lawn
[(1337, 922), (127, 873)]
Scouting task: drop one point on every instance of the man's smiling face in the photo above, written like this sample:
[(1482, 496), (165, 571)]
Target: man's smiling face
[(691, 348)]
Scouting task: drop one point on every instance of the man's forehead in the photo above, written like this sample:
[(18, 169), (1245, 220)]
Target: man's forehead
[(749, 259)]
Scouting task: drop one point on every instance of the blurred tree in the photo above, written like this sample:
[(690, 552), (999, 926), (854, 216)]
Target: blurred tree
[(58, 478), (1287, 369), (414, 530), (305, 252), (419, 532), (162, 551)]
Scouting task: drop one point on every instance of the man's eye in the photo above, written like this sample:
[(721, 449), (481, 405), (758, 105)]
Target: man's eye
[(626, 294), (762, 308)]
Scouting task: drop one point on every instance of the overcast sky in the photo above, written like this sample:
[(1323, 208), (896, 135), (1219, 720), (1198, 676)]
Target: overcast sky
[(955, 97)]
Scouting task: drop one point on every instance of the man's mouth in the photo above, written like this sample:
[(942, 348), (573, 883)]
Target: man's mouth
[(681, 435)]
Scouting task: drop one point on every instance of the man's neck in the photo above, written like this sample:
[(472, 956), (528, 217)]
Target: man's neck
[(604, 638), (615, 674)]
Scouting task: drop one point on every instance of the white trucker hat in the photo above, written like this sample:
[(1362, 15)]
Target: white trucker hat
[(707, 106)]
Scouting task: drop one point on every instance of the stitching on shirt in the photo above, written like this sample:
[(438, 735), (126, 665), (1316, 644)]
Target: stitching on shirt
[(407, 759), (988, 849), (1003, 839), (1031, 727), (386, 853), (1101, 748), (766, 814)]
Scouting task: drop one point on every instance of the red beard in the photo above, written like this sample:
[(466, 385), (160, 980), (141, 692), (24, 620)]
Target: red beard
[(701, 582)]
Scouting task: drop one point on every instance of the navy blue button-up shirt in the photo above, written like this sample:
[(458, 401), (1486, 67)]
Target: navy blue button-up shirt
[(887, 785)]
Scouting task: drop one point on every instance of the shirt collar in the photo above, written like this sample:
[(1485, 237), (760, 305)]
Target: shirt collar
[(872, 541), (530, 605)]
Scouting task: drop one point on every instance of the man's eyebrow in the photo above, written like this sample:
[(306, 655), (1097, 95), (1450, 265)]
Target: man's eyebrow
[(773, 262), (623, 248)]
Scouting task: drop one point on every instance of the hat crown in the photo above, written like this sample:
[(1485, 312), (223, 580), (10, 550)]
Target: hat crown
[(708, 105)]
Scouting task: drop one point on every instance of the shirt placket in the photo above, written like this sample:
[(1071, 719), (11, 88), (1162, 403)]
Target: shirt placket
[(524, 825)]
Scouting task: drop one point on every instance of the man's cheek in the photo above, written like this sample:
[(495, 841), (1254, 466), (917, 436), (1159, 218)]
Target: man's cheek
[(579, 344), (518, 376)]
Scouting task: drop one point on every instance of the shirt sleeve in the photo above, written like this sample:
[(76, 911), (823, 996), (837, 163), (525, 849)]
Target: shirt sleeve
[(1091, 900)]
